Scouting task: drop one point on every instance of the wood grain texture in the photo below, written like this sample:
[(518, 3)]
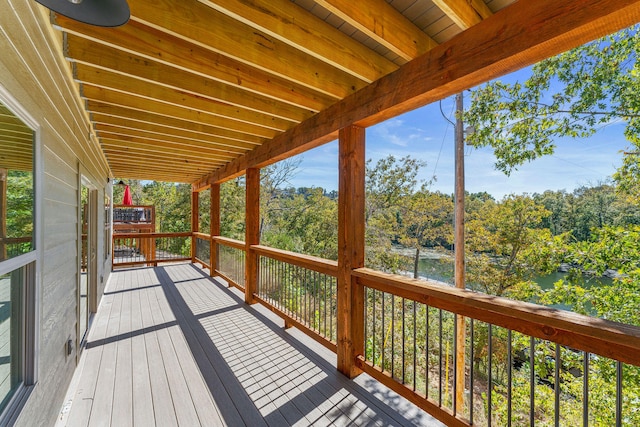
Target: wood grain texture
[(519, 35)]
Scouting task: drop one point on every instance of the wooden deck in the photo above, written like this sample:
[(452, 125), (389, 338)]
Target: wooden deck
[(171, 346)]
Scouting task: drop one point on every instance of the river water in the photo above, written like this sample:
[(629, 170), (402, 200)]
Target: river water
[(436, 266)]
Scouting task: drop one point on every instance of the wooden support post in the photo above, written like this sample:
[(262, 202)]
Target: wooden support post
[(252, 237), (195, 216), (214, 227), (459, 273), (350, 322)]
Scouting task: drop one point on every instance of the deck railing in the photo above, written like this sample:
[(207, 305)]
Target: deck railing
[(130, 249), (523, 364), (203, 249), (302, 289), (231, 260), (546, 356), (14, 246)]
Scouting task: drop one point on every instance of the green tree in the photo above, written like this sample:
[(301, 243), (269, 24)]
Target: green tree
[(388, 183), (569, 95), (232, 208), (427, 220), (507, 248)]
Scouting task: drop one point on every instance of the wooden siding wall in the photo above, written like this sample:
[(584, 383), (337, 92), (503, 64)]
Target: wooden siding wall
[(34, 73)]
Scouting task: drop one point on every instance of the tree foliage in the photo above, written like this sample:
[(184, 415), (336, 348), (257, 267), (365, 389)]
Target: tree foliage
[(569, 95)]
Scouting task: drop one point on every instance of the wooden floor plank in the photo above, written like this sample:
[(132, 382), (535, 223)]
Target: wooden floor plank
[(188, 351), (102, 407), (161, 395), (141, 383), (122, 408)]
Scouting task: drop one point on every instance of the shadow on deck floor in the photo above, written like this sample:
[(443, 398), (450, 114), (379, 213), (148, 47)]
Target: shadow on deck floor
[(172, 346)]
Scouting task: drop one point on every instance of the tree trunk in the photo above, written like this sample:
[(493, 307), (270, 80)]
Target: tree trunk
[(415, 263)]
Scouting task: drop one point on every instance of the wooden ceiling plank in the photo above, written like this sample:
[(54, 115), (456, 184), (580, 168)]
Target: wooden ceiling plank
[(164, 167), (195, 144), (380, 21), (90, 53), (139, 140), (152, 128), (145, 157), (167, 164), (200, 24), (463, 13), (146, 88), (160, 175), (150, 43), (223, 136), (128, 100), (299, 28), (520, 35)]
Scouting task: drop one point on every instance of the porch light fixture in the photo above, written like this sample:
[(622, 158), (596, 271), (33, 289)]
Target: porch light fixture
[(102, 13)]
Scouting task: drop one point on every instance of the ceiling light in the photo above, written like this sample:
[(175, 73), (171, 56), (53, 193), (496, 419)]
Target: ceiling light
[(103, 13)]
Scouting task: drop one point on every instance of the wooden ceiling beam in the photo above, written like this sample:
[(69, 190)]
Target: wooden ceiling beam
[(100, 77), (162, 108), (161, 174), (202, 25), (141, 160), (464, 13), (150, 43), (163, 131), (224, 136), (295, 26), (90, 53), (380, 21), (144, 140), (520, 35), (123, 128)]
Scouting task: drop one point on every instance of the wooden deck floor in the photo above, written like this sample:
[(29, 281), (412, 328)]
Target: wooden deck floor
[(171, 346)]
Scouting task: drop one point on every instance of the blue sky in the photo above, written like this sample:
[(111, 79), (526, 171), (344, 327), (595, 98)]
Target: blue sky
[(425, 134)]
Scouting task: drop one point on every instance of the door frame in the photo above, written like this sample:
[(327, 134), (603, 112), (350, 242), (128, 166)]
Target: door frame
[(84, 180)]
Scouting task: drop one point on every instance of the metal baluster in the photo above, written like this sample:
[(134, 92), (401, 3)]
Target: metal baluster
[(316, 313), (509, 377), (556, 379), (324, 303), (403, 341), (532, 380), (426, 351), (440, 359), (455, 363), (393, 336), (585, 390), (415, 347), (384, 331), (490, 382), (471, 372), (373, 344), (618, 393)]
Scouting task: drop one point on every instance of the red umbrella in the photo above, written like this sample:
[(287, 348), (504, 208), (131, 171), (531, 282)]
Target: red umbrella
[(127, 200)]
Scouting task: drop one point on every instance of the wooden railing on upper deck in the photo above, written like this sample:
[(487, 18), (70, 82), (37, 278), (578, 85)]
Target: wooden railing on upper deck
[(130, 249), (409, 336)]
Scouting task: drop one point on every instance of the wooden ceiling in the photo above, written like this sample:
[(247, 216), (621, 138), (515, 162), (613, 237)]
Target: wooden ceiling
[(198, 91)]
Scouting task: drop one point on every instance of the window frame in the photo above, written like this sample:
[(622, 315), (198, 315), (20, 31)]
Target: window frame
[(31, 263)]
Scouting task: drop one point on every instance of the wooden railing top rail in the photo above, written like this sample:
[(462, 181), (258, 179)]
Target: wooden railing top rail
[(229, 242), (598, 336), (12, 240), (200, 235), (309, 262), (145, 235)]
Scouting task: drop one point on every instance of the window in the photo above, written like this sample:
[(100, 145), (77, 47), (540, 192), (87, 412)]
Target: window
[(18, 258)]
